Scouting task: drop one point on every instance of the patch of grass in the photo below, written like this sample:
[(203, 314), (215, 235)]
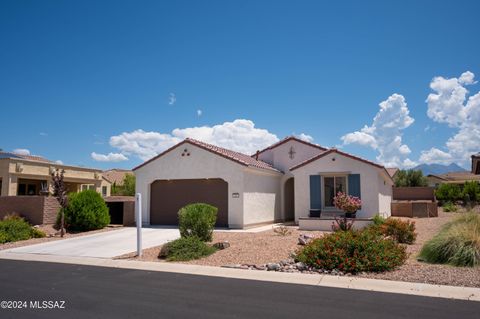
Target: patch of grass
[(14, 228), (186, 248), (457, 243)]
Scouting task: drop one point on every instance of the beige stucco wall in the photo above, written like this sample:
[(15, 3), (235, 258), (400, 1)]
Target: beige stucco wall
[(279, 157), (261, 197), (369, 183), (385, 185)]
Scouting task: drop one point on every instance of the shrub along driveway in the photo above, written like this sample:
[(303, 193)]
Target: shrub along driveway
[(102, 245)]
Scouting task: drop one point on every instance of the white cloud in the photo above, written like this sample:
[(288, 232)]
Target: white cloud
[(172, 99), (434, 155), (305, 137), (240, 135), (43, 134), (59, 162), (21, 151), (110, 157), (385, 133), (449, 104), (199, 113)]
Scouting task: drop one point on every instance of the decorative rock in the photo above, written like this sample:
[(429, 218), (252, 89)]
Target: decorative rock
[(260, 267), (222, 245), (304, 239), (273, 266), (301, 266)]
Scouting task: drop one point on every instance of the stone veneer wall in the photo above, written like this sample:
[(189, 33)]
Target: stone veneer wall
[(35, 209)]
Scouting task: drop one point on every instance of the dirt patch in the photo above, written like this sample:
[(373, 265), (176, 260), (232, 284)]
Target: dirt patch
[(52, 236)]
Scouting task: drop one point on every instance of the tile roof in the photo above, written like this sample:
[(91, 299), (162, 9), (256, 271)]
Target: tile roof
[(290, 138), (27, 157), (238, 157), (457, 176), (116, 175)]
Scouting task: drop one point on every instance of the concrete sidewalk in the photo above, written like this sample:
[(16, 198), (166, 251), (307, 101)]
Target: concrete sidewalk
[(418, 289), (101, 245)]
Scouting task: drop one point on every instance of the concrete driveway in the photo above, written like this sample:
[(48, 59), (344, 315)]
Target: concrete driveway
[(102, 245)]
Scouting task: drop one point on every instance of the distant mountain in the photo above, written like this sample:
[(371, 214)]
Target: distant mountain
[(438, 168)]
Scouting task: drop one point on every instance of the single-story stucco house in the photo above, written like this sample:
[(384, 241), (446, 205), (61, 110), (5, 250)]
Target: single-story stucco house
[(289, 180), (29, 175)]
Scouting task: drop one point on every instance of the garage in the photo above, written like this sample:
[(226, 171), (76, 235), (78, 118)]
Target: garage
[(168, 196)]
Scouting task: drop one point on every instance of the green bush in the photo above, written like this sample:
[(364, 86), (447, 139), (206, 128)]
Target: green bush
[(401, 231), (186, 248), (14, 228), (353, 251), (457, 243), (86, 211), (449, 192), (378, 220), (410, 178), (449, 207), (197, 220), (471, 191)]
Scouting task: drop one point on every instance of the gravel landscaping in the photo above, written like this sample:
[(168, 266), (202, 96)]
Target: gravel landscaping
[(270, 251), (52, 235)]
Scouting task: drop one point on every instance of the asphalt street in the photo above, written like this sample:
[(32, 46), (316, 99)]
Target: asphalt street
[(98, 292)]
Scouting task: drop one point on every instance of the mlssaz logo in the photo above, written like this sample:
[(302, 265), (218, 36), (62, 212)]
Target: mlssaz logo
[(47, 304)]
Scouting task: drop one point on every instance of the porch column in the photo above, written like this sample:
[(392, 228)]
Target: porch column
[(12, 185)]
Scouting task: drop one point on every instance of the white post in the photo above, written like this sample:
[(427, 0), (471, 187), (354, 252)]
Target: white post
[(139, 224)]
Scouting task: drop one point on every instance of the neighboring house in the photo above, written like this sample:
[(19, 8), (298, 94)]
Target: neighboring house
[(286, 181), (116, 175), (451, 178), (476, 164), (31, 175)]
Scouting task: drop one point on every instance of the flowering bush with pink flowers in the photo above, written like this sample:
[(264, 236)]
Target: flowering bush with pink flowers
[(347, 203)]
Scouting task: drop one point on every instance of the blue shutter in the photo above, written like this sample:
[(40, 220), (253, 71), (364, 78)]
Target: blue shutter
[(354, 185), (315, 192)]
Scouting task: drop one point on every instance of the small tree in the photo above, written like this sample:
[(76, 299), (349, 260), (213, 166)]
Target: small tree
[(129, 185), (410, 178), (60, 193)]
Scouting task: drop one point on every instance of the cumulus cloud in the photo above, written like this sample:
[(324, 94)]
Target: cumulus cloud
[(110, 157), (449, 104), (240, 135), (172, 99), (385, 133), (305, 137), (59, 162), (21, 151)]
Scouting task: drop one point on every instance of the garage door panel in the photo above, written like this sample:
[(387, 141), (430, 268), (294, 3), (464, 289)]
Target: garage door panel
[(168, 196)]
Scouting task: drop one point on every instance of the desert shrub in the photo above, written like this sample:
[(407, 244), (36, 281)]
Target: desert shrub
[(14, 228), (186, 248), (282, 230), (401, 231), (471, 191), (448, 192), (86, 211), (378, 220), (353, 251), (457, 243), (197, 220), (449, 207)]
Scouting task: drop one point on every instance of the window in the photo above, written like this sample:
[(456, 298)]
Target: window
[(87, 186), (331, 186), (26, 189), (104, 191)]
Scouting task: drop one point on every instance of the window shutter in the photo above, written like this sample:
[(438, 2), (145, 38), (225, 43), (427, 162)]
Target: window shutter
[(315, 192), (354, 185)]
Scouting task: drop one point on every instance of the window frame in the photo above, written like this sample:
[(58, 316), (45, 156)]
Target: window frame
[(324, 198)]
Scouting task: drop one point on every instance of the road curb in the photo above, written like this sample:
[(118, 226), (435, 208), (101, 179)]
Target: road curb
[(387, 286)]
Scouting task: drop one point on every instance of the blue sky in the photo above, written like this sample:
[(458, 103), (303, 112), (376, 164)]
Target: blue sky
[(73, 74)]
